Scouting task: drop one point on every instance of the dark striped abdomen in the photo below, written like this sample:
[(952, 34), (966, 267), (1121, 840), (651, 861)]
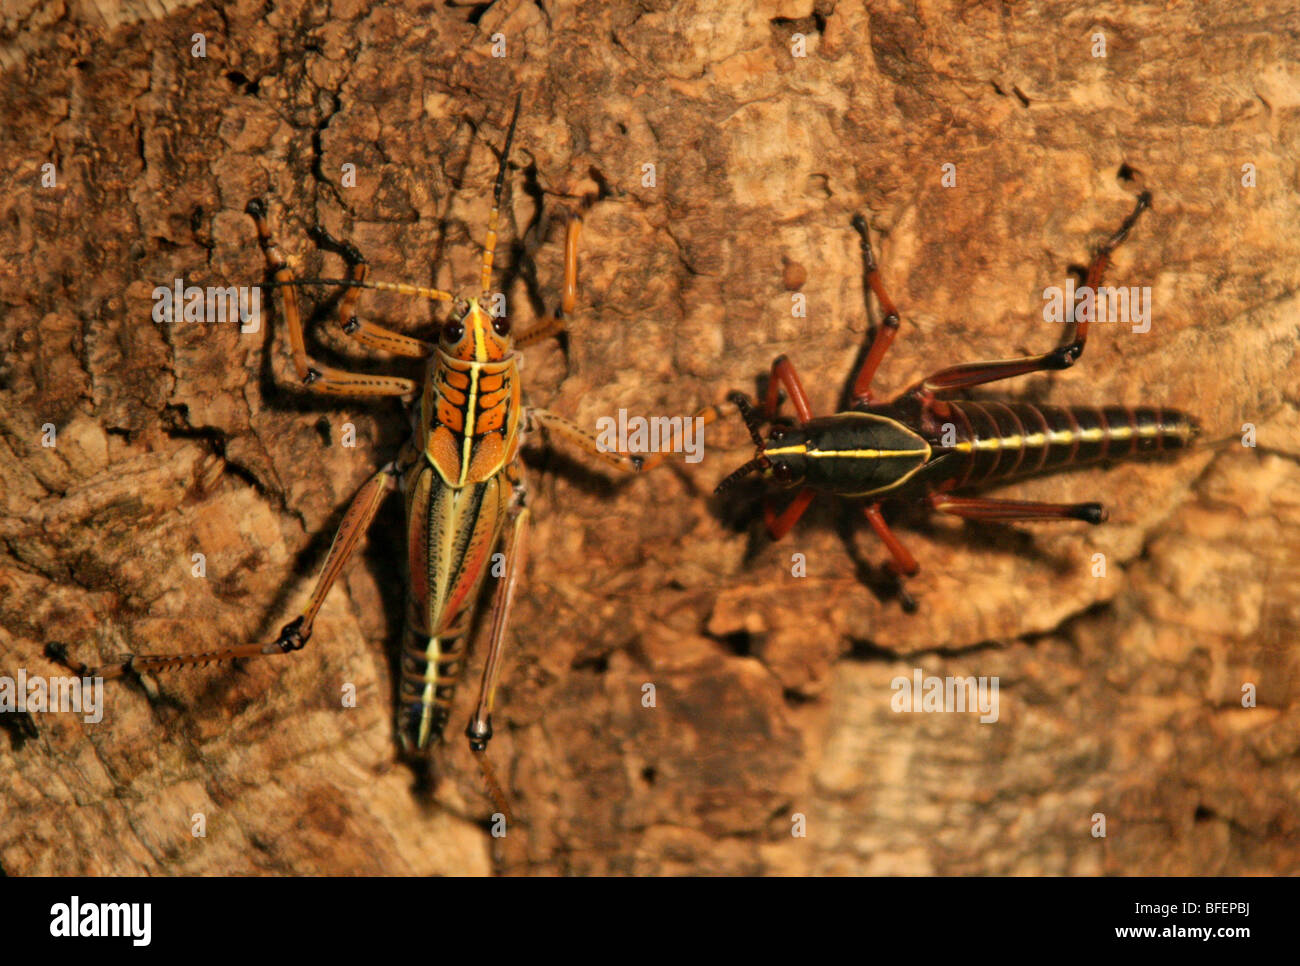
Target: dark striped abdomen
[(431, 668), (999, 440)]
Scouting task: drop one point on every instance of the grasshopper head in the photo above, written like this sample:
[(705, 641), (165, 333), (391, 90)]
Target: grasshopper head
[(781, 457), (472, 334)]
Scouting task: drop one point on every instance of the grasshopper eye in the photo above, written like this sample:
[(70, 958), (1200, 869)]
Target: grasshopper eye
[(501, 326), (453, 330), (783, 472)]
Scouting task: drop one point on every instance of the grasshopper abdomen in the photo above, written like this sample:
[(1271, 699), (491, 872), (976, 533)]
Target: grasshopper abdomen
[(992, 441)]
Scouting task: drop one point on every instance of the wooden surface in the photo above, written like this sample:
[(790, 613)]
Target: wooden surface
[(1119, 695)]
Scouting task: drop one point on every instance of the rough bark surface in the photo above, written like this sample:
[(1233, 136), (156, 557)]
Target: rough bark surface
[(1120, 695)]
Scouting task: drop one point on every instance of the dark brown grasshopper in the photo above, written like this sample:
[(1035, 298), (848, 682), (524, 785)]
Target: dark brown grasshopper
[(919, 447)]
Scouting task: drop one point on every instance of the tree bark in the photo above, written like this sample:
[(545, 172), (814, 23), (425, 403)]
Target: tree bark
[(1120, 695)]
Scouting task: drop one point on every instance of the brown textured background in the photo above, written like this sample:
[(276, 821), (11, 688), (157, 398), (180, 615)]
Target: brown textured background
[(1119, 695)]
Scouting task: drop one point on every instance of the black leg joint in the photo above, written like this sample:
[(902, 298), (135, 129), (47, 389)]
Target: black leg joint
[(479, 736), (291, 637), (351, 325), (1093, 513), (255, 207), (1063, 357), (312, 376)]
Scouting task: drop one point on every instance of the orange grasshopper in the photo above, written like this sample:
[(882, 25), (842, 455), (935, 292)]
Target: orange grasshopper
[(460, 474)]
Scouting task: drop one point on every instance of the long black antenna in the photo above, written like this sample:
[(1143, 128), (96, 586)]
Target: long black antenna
[(757, 463), (749, 415)]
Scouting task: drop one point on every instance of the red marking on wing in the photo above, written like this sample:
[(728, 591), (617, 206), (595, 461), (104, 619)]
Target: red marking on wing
[(468, 578)]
